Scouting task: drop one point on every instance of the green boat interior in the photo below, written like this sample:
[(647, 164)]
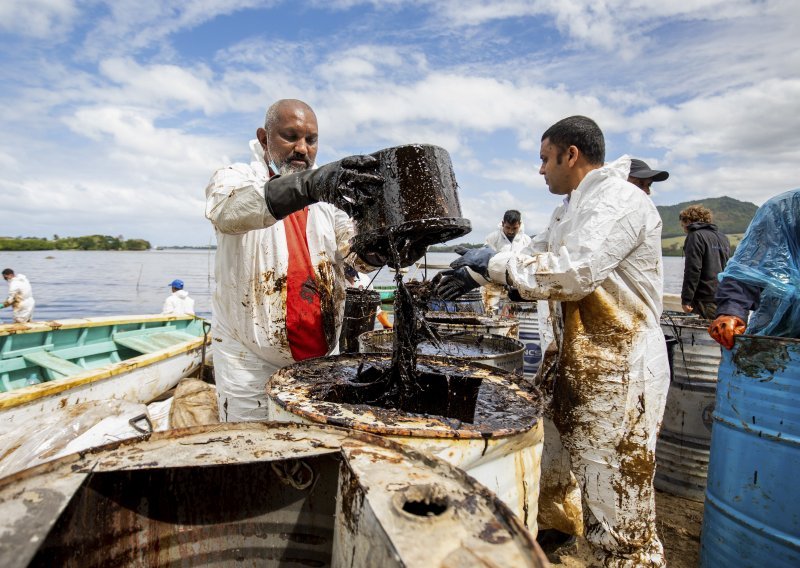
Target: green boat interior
[(41, 355)]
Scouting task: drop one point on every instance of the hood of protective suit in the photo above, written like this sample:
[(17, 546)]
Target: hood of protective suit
[(182, 294)]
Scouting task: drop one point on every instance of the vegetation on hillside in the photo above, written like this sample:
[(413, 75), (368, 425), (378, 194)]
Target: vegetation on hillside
[(88, 242), (731, 216)]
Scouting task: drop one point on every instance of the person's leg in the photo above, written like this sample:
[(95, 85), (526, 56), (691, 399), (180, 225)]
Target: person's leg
[(611, 436), (241, 378), (559, 494)]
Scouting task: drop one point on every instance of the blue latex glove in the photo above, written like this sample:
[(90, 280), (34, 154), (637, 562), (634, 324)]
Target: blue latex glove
[(450, 284), (476, 259)]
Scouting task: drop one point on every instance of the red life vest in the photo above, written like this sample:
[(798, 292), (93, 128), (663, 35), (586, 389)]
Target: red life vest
[(303, 308)]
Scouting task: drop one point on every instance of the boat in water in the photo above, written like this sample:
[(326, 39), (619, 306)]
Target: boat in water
[(49, 367)]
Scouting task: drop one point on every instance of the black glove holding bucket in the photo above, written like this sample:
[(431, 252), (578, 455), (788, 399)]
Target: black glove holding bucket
[(349, 184), (451, 284)]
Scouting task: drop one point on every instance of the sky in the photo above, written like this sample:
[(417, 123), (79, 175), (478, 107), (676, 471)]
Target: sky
[(114, 114)]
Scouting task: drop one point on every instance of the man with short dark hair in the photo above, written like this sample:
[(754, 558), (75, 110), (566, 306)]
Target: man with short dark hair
[(20, 296), (598, 266), (705, 252), (509, 236), (643, 177), (283, 233)]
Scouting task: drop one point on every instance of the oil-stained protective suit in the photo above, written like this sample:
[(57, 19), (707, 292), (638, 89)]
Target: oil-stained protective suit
[(249, 307), (493, 293), (599, 267), (20, 298)]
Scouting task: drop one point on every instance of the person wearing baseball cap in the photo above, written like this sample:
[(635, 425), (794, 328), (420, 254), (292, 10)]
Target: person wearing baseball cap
[(178, 303), (642, 176)]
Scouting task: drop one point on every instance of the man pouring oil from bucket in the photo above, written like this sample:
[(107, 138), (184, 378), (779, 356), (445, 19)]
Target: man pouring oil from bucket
[(598, 265), (283, 235)]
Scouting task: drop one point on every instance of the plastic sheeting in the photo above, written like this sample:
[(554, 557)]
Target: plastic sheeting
[(89, 424), (769, 257)]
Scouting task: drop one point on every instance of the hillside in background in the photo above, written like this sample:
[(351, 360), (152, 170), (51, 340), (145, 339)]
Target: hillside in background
[(730, 215)]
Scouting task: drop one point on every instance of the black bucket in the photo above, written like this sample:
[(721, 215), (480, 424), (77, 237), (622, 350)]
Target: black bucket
[(418, 206), (360, 308)]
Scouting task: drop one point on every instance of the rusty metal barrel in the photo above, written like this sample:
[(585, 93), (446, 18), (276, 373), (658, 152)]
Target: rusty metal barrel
[(497, 440), (685, 438), (256, 494), (467, 322), (752, 509), (471, 302), (494, 350)]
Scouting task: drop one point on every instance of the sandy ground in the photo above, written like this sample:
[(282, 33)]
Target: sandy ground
[(678, 521)]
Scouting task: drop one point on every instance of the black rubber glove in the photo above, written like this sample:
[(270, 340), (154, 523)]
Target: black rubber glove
[(476, 259), (349, 184), (450, 284)]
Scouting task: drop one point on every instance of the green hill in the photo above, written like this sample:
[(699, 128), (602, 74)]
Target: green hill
[(730, 215)]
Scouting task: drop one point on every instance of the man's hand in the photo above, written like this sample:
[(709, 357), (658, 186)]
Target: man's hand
[(687, 308), (724, 328), (450, 284), (476, 259), (350, 184)]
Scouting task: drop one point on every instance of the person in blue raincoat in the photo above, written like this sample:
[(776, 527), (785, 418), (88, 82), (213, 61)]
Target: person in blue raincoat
[(763, 277)]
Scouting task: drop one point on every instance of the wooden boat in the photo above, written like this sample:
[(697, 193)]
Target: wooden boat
[(386, 292), (48, 367)]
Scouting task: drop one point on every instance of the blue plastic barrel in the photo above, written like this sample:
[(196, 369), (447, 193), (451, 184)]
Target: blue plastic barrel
[(752, 510)]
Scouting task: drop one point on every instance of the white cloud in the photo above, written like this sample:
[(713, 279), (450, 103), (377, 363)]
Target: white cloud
[(42, 19)]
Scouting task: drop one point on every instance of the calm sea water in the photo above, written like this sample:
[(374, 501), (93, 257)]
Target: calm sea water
[(70, 284)]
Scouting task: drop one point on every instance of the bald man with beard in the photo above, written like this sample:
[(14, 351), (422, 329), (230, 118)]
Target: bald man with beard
[(283, 234)]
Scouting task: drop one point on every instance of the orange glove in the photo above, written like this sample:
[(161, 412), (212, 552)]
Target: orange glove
[(724, 328), (384, 319)]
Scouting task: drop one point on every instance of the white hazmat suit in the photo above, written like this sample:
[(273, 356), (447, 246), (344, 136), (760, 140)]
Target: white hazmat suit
[(493, 293), (20, 298), (249, 305), (179, 304), (598, 265)]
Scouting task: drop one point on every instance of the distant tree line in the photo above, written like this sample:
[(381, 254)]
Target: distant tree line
[(88, 242)]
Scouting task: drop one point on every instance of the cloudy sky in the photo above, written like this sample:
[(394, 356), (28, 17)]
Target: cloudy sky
[(115, 113)]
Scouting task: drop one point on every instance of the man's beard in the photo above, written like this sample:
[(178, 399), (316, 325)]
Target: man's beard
[(287, 167)]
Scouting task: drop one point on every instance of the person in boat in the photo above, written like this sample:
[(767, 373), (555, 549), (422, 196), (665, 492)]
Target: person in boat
[(762, 276), (20, 296), (705, 252), (598, 266), (361, 281), (509, 236), (178, 303), (283, 234), (643, 177)]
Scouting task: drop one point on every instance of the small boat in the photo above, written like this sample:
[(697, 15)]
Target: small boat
[(48, 367), (386, 292)]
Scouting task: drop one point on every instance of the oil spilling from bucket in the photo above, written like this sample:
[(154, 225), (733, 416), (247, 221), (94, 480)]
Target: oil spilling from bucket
[(404, 385)]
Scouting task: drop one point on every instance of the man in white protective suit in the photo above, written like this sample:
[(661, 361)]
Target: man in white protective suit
[(283, 234), (598, 265), (510, 236), (20, 296)]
